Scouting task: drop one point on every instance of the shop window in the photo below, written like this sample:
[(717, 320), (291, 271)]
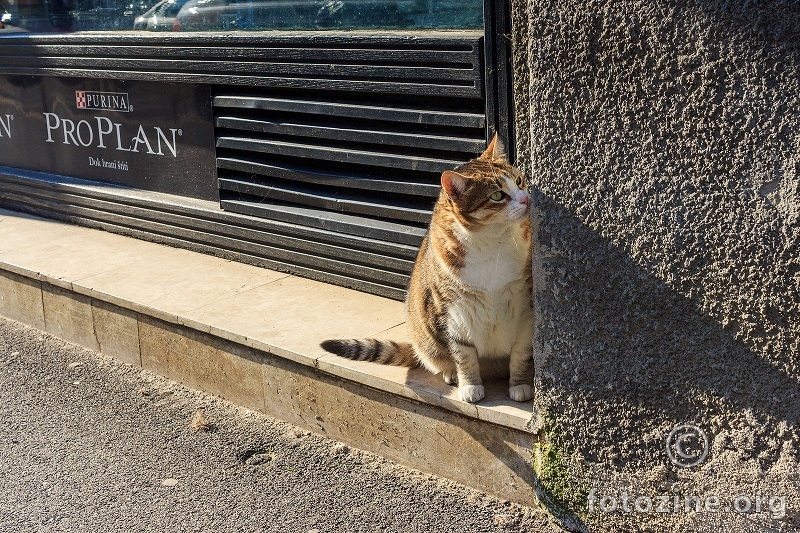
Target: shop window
[(245, 15), (313, 133)]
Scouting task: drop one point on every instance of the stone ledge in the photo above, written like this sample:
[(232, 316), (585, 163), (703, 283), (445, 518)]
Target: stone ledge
[(251, 335)]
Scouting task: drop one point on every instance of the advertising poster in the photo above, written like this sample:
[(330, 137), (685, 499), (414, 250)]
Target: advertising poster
[(152, 136)]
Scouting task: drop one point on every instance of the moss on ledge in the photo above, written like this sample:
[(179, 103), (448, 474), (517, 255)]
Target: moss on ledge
[(560, 485)]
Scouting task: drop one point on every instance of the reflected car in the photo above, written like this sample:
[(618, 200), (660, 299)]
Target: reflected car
[(37, 16), (160, 17), (200, 15), (136, 9)]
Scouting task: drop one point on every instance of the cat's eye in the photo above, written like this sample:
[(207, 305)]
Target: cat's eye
[(497, 196), (519, 182)]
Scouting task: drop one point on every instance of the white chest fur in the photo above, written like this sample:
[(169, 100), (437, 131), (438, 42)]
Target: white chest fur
[(495, 308), (494, 259)]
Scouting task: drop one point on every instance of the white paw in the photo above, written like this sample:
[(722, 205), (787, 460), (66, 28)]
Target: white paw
[(521, 393), (471, 393), (450, 377)]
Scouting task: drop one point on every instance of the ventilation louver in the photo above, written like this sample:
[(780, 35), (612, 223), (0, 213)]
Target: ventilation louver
[(359, 166)]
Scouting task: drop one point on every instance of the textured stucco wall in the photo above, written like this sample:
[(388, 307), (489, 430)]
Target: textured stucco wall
[(663, 141)]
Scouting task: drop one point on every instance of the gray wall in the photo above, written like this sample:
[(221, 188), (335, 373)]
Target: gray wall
[(663, 141)]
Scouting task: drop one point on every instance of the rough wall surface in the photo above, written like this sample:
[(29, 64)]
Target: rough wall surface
[(663, 141)]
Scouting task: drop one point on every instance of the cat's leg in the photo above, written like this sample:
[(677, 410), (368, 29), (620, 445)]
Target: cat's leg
[(435, 357), (470, 385), (444, 365), (520, 383), (450, 374)]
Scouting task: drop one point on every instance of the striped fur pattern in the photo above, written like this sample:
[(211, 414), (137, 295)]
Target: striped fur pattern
[(383, 352), (469, 307)]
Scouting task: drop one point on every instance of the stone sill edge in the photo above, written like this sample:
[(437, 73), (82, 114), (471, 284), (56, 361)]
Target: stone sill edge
[(477, 411)]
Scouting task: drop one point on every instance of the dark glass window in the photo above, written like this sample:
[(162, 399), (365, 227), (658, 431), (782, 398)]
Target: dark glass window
[(244, 15)]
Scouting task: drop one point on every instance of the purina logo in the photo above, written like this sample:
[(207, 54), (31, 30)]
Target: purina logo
[(103, 101)]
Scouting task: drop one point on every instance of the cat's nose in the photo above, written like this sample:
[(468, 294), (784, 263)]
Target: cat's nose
[(525, 200)]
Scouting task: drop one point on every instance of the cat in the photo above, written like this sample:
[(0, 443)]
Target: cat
[(469, 303)]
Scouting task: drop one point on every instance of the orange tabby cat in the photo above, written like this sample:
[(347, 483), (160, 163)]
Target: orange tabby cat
[(469, 305)]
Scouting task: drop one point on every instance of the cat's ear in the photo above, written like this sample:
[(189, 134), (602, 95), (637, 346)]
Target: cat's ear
[(453, 183), (495, 150)]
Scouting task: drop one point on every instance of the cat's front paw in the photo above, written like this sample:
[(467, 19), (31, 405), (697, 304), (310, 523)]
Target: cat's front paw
[(450, 376), (521, 393), (471, 393)]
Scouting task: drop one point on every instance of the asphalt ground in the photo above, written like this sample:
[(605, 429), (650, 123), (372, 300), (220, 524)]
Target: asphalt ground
[(90, 444)]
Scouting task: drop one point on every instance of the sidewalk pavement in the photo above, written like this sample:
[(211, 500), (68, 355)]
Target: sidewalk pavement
[(89, 443)]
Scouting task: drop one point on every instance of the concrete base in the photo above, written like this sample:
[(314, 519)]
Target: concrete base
[(251, 337)]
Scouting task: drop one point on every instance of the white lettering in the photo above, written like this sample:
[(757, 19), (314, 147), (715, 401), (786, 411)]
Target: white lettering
[(87, 128), (692, 502), (51, 127), (777, 504), (663, 503), (625, 500), (140, 138), (643, 504), (83, 133), (608, 504), (592, 499), (119, 140), (101, 132), (173, 148), (6, 125), (69, 131), (742, 504), (109, 101), (712, 504)]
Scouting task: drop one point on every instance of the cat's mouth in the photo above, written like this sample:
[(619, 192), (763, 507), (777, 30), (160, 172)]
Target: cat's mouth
[(519, 212)]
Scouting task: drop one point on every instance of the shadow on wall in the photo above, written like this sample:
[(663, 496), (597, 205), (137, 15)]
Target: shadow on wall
[(647, 347), (649, 360)]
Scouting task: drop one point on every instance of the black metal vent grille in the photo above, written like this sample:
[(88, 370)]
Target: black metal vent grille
[(329, 145), (360, 167), (435, 63)]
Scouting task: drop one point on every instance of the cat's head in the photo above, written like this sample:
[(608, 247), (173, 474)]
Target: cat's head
[(487, 190)]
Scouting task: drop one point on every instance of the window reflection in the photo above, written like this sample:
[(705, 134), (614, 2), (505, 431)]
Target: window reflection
[(37, 15), (160, 17), (227, 15)]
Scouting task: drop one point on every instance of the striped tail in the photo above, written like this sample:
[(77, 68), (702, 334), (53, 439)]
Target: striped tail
[(382, 352)]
